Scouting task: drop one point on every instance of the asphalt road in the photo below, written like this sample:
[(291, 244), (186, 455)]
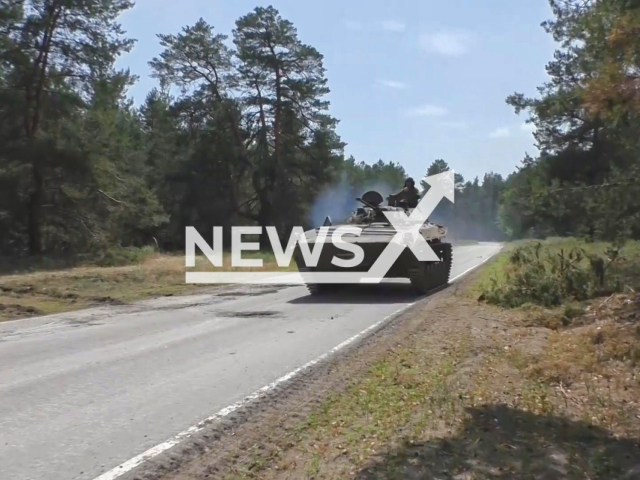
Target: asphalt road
[(82, 393)]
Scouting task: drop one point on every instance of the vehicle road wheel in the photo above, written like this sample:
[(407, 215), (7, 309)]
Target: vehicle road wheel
[(426, 276), (445, 252), (421, 277)]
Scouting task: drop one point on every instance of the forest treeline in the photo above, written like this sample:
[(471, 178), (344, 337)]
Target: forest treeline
[(239, 131), (585, 182)]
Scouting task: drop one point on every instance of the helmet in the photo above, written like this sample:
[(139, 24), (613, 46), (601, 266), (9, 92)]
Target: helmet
[(409, 180)]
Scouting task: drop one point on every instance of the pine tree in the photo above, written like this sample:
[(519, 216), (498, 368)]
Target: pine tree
[(284, 85), (54, 50)]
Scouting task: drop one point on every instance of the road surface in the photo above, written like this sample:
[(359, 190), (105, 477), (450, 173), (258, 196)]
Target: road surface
[(83, 392)]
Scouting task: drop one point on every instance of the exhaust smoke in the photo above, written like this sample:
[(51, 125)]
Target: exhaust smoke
[(338, 201)]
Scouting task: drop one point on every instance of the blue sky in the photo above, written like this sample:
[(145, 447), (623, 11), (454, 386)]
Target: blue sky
[(411, 80)]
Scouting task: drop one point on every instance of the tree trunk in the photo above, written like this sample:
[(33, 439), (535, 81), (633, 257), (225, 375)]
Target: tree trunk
[(35, 210), (264, 220), (33, 108), (277, 120)]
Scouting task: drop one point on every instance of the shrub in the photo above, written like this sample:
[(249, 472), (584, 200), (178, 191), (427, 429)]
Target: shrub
[(543, 275), (118, 256)]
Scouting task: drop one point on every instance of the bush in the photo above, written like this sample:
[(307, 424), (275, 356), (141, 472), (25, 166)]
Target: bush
[(548, 275), (118, 256)]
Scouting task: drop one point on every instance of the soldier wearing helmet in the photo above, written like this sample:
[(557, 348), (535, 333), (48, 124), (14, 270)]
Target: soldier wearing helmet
[(408, 196)]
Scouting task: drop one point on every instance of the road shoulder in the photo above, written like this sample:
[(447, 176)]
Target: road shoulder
[(442, 391)]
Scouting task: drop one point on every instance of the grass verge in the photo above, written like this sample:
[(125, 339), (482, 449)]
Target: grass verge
[(477, 391), (556, 271), (55, 291)]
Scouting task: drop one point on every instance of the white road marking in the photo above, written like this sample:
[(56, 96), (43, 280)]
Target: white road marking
[(474, 267), (158, 449), (164, 446)]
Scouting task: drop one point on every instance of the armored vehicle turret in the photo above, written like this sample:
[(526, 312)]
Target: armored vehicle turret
[(376, 234)]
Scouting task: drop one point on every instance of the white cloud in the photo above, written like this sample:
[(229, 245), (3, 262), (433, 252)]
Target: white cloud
[(427, 111), (393, 84), (393, 26), (353, 25), (500, 133), (451, 44), (528, 127)]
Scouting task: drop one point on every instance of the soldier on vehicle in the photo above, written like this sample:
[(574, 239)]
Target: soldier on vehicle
[(409, 195)]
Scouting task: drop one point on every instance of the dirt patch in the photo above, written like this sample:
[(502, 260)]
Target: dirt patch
[(107, 301), (445, 391), (18, 311)]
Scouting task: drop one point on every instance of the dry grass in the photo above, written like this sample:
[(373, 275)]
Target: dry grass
[(479, 392), (595, 364), (48, 292), (409, 394)]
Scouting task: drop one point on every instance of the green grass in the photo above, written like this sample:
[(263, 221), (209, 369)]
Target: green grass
[(113, 257), (552, 272), (403, 394)]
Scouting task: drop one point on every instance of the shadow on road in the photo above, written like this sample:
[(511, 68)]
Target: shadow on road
[(498, 441), (385, 293)]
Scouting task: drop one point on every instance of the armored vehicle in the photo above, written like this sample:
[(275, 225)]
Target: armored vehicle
[(376, 234)]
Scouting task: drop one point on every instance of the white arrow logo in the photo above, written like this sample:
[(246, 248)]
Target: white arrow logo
[(408, 227), (407, 236)]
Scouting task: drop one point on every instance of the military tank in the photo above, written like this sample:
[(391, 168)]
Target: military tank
[(376, 234)]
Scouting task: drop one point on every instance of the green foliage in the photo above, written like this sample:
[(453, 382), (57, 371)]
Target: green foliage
[(241, 133), (585, 181), (572, 311), (117, 256), (474, 214), (69, 159), (552, 273), (235, 134), (359, 175)]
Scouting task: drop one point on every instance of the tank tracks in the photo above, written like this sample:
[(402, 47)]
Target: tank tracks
[(425, 276), (320, 288)]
